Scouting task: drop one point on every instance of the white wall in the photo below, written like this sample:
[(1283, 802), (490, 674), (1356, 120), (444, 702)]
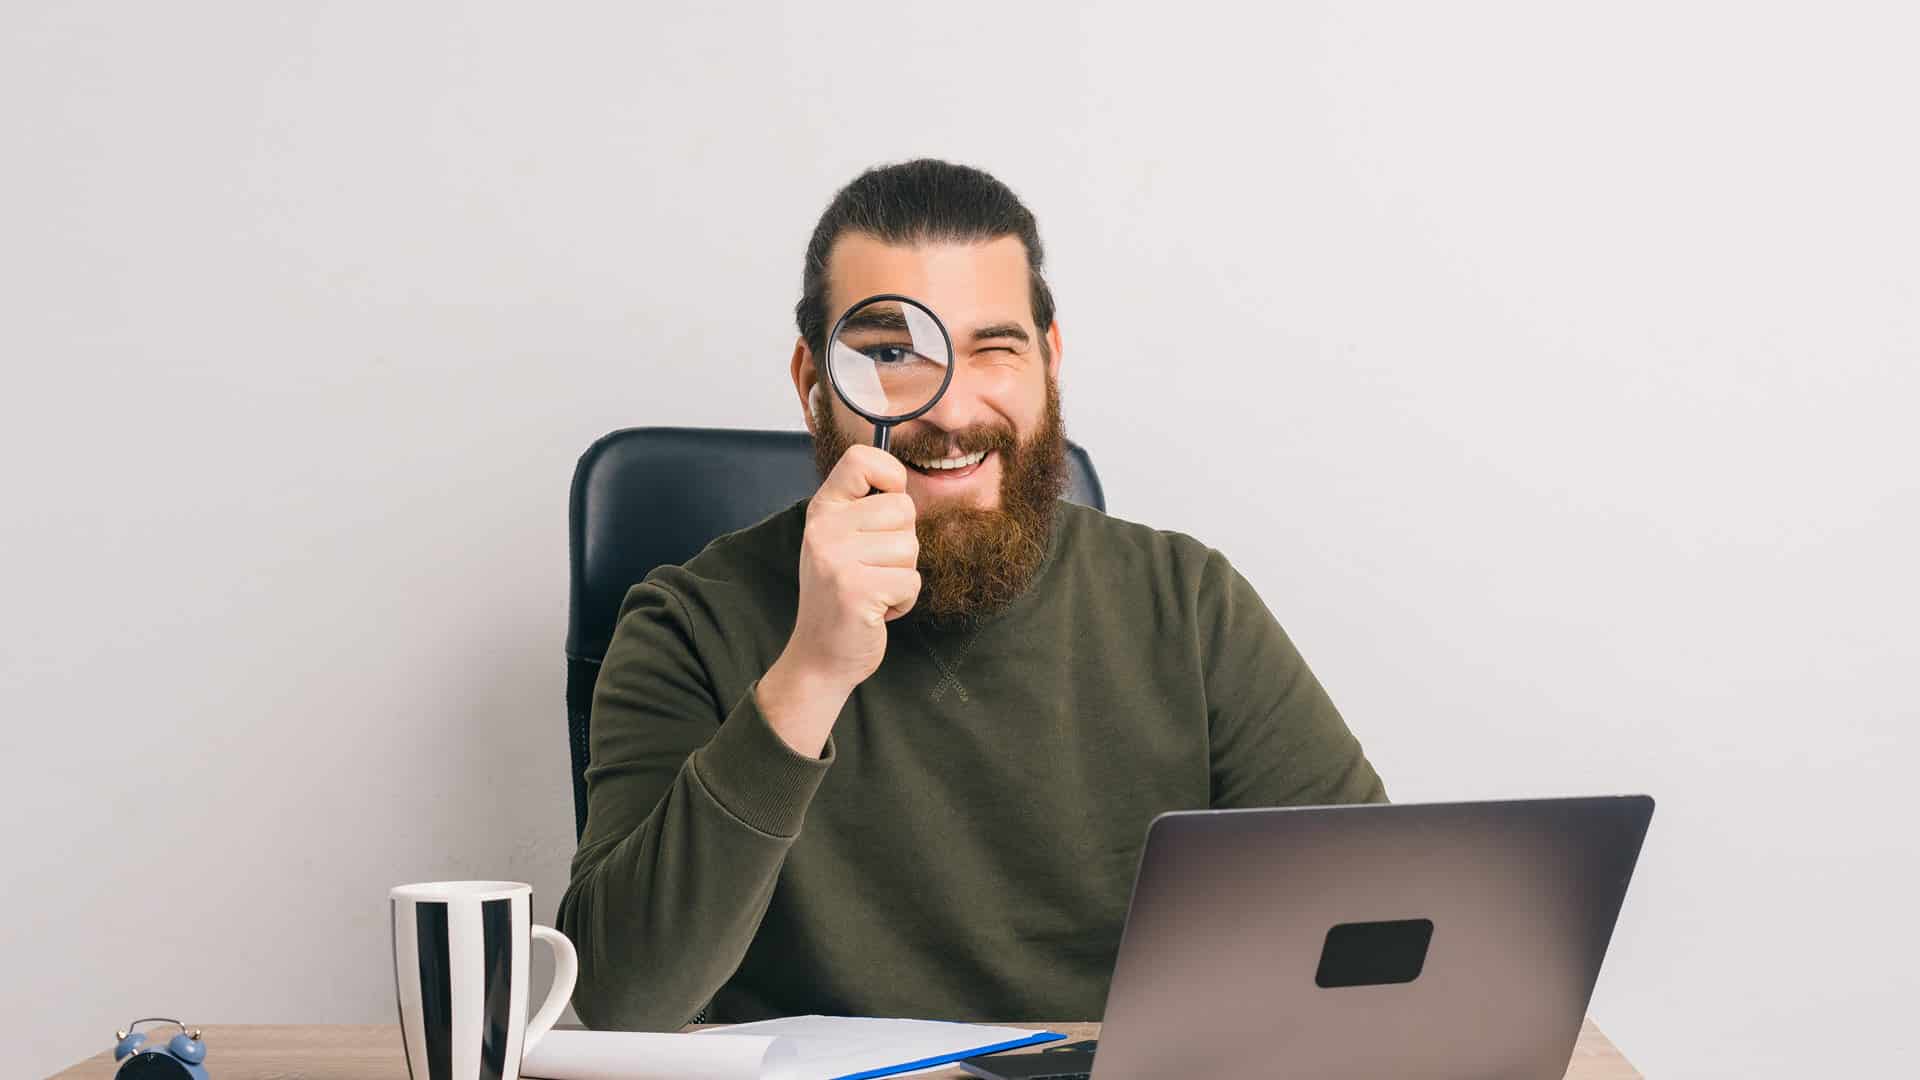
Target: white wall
[(1551, 368)]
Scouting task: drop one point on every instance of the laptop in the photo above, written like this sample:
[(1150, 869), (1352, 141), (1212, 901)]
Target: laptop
[(1438, 941)]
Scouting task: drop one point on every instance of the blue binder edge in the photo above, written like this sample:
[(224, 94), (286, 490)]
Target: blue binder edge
[(943, 1059)]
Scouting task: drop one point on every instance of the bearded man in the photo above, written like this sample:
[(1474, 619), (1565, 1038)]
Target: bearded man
[(894, 750)]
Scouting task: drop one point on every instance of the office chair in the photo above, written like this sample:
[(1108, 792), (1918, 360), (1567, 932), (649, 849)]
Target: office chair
[(647, 497)]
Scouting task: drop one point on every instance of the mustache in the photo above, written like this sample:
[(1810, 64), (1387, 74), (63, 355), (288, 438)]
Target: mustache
[(927, 445)]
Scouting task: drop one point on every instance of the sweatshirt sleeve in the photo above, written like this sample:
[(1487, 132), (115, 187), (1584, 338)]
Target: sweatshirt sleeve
[(692, 805), (1276, 739)]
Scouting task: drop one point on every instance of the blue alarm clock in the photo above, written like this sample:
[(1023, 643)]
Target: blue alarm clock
[(180, 1060)]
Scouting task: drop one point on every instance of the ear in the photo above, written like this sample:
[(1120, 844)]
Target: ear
[(806, 381), (1053, 346)]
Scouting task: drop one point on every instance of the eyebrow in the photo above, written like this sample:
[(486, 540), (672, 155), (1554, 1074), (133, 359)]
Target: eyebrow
[(874, 318), (1002, 330)]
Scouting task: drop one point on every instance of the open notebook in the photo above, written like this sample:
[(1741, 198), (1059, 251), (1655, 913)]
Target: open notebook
[(791, 1048)]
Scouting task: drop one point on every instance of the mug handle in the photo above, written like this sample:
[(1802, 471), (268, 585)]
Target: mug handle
[(566, 968)]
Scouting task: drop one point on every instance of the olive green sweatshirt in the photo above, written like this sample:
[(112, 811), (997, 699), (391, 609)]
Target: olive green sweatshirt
[(965, 846)]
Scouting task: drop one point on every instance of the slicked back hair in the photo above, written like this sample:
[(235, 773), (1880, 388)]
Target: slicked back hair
[(916, 202)]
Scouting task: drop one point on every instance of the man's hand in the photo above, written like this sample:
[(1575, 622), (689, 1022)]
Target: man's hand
[(857, 573)]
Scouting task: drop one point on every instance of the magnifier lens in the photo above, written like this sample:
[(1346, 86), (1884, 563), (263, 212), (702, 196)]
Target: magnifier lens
[(889, 359)]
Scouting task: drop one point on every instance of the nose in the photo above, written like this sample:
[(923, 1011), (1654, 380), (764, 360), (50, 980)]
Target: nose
[(958, 409)]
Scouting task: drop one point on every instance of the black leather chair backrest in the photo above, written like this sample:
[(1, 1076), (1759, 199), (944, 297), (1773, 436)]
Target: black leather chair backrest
[(647, 497)]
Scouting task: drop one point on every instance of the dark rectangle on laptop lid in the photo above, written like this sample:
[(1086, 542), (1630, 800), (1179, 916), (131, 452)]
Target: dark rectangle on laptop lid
[(1374, 953)]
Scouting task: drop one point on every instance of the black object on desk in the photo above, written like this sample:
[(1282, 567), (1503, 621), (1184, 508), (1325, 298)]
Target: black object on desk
[(1074, 1061)]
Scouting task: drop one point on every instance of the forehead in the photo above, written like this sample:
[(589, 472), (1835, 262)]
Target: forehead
[(966, 284)]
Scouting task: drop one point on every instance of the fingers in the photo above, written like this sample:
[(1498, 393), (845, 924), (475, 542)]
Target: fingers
[(896, 588), (862, 469), (860, 537), (899, 548), (884, 512)]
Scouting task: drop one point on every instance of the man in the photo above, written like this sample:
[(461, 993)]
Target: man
[(894, 750)]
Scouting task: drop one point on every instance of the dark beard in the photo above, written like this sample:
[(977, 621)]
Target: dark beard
[(973, 561)]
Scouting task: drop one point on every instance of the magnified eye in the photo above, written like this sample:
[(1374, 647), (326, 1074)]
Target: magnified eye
[(889, 359), (888, 354)]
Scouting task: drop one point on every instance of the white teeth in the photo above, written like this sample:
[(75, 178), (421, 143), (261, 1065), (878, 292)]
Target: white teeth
[(953, 462)]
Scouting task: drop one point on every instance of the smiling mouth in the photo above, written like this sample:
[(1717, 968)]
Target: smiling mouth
[(950, 468)]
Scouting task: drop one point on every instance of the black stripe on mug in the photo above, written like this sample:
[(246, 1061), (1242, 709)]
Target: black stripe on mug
[(436, 987), (496, 923)]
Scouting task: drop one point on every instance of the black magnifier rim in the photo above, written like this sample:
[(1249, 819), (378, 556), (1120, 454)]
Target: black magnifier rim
[(834, 380)]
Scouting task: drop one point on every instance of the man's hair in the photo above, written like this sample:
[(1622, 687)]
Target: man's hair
[(915, 202)]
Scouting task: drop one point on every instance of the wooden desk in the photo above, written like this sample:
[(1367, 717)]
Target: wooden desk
[(372, 1052)]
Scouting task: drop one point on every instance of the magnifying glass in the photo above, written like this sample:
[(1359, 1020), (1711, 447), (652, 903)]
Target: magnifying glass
[(890, 359)]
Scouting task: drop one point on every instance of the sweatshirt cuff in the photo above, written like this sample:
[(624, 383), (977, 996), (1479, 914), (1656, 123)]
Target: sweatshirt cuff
[(754, 775)]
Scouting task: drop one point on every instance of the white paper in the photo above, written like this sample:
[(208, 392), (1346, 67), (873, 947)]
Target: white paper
[(791, 1048), (644, 1055), (828, 1046)]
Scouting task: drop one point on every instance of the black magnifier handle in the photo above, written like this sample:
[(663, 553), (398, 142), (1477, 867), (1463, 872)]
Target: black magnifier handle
[(883, 440)]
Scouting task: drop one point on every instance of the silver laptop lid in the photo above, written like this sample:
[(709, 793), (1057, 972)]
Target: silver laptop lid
[(1422, 942)]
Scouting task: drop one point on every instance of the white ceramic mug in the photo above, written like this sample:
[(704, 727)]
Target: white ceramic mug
[(460, 952)]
